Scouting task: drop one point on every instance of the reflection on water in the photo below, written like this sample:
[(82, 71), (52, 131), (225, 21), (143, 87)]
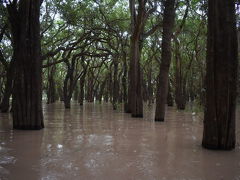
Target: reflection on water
[(95, 142)]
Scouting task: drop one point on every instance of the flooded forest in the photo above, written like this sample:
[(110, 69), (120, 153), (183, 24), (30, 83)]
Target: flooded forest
[(119, 90)]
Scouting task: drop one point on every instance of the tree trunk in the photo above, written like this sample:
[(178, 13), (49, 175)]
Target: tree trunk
[(169, 96), (180, 89), (76, 93), (66, 98), (135, 86), (162, 85), (124, 82), (238, 87), (115, 84), (27, 87), (221, 77), (51, 94), (96, 91), (82, 83), (102, 88), (128, 106), (60, 92), (90, 93), (4, 106), (144, 90), (150, 86), (69, 84)]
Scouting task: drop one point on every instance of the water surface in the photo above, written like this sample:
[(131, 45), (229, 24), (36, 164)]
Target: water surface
[(95, 142)]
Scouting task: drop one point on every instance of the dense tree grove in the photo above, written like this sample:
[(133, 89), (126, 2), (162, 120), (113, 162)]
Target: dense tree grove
[(128, 53)]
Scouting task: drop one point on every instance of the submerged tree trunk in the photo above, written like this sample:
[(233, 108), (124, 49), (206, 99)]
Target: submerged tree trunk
[(51, 92), (135, 86), (4, 106), (150, 86), (180, 89), (67, 89), (102, 88), (139, 14), (169, 96), (109, 92), (115, 83), (27, 87), (221, 77), (82, 83), (90, 87), (162, 85), (76, 93), (124, 82)]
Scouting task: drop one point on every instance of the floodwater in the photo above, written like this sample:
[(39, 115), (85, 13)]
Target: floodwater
[(95, 142)]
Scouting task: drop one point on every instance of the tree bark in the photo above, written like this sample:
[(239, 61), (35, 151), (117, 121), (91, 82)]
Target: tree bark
[(169, 96), (67, 89), (51, 94), (82, 83), (102, 88), (180, 89), (115, 83), (135, 86), (221, 77), (162, 85), (90, 87), (76, 93), (4, 106), (110, 87), (27, 87), (124, 82), (150, 86)]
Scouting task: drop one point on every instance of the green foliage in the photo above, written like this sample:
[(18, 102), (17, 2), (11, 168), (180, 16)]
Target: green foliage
[(98, 30)]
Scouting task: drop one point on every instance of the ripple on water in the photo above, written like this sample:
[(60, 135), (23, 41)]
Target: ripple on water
[(95, 142)]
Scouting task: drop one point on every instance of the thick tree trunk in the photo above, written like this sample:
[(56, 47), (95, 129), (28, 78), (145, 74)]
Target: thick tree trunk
[(238, 87), (135, 86), (4, 106), (138, 20), (238, 96), (162, 85), (27, 88), (221, 77)]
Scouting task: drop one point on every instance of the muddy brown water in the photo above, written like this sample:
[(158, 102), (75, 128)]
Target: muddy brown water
[(95, 142)]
